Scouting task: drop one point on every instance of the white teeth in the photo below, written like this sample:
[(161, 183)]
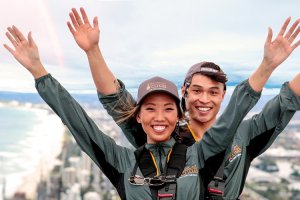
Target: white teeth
[(203, 109), (159, 128)]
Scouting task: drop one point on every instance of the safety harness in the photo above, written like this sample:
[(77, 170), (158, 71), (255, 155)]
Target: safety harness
[(215, 189), (173, 170)]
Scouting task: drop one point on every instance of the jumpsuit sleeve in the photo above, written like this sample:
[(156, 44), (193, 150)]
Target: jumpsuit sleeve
[(102, 149), (116, 105), (260, 131), (211, 149)]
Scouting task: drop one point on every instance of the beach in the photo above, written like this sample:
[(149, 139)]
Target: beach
[(34, 149)]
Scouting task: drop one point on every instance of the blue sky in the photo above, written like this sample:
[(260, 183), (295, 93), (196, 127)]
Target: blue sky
[(140, 39)]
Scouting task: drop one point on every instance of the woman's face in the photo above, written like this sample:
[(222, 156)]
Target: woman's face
[(158, 116)]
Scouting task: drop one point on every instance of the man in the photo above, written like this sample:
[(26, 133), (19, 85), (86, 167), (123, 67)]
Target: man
[(203, 92)]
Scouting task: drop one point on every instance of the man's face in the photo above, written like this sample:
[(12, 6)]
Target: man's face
[(204, 98)]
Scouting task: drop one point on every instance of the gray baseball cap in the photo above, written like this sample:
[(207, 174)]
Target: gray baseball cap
[(209, 69), (157, 84)]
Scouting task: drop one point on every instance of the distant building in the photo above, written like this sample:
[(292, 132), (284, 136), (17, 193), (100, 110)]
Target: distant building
[(69, 177), (72, 193), (92, 196), (54, 185)]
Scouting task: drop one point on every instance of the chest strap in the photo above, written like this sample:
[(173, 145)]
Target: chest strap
[(173, 170)]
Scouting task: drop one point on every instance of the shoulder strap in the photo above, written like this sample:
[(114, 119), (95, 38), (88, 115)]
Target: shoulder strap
[(215, 189), (146, 165), (145, 162), (175, 167), (177, 160)]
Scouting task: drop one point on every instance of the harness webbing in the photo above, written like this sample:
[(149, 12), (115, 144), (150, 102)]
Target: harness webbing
[(215, 188), (174, 168)]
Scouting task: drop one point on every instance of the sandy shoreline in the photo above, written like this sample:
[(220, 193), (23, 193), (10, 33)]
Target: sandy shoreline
[(47, 141)]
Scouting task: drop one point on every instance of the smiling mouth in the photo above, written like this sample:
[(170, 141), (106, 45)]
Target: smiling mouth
[(204, 109), (159, 128)]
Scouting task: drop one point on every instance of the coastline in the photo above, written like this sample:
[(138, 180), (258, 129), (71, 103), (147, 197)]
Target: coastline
[(44, 144)]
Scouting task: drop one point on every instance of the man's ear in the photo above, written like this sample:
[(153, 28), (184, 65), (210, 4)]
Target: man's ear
[(183, 91), (223, 95)]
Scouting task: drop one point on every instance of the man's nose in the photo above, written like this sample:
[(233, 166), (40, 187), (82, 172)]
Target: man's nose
[(204, 98)]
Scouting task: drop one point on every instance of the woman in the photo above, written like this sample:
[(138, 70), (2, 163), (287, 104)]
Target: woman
[(158, 110)]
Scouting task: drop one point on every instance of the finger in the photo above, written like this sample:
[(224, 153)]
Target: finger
[(269, 37), (95, 23), (84, 16), (30, 39), (13, 34), (291, 30), (71, 28), (77, 16), (293, 37), (11, 39), (19, 34), (73, 20), (294, 46), (9, 49), (284, 26)]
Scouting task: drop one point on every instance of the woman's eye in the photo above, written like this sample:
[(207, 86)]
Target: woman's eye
[(169, 109), (150, 109)]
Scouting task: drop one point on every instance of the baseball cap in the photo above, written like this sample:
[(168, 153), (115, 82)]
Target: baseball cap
[(209, 69), (157, 84)]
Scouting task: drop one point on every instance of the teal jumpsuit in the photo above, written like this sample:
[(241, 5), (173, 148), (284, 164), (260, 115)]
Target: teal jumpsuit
[(252, 137), (117, 162)]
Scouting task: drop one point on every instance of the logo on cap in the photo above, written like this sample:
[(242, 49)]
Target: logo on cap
[(206, 69), (156, 85)]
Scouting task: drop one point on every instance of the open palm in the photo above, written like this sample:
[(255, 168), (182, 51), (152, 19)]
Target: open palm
[(84, 34), (275, 52), (25, 52)]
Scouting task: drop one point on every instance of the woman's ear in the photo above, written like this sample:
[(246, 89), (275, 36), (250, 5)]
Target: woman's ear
[(138, 118)]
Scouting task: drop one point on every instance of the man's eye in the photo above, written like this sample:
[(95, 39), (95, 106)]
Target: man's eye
[(214, 93)]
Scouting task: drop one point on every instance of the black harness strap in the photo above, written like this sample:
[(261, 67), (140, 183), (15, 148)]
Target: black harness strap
[(145, 162), (146, 165), (174, 169), (215, 189), (177, 160)]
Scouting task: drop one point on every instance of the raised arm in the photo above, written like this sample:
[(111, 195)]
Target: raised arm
[(222, 133), (87, 38), (277, 113), (110, 157), (264, 127), (112, 94), (275, 52)]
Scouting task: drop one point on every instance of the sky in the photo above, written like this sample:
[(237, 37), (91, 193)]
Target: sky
[(140, 39)]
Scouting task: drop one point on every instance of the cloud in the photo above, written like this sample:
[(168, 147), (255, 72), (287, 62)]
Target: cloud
[(140, 39)]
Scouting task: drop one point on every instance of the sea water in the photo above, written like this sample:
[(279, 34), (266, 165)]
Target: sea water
[(28, 138)]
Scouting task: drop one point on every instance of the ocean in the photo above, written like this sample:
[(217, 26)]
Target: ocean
[(31, 138)]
